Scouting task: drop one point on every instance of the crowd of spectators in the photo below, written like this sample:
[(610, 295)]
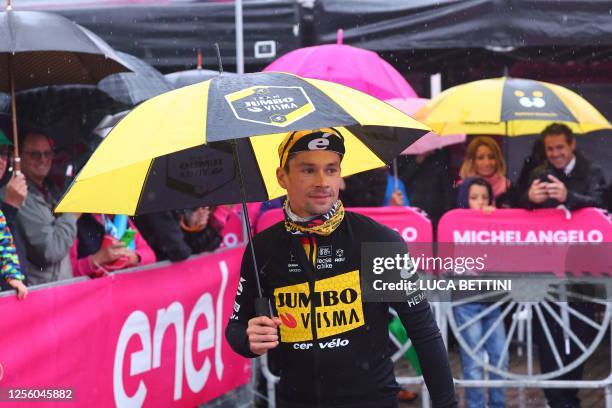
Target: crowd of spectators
[(49, 247), (39, 246)]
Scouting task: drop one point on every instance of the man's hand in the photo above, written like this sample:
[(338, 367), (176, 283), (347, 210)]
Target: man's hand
[(108, 254), (22, 290), (199, 217), (397, 198), (263, 334), (16, 190), (538, 193), (556, 189)]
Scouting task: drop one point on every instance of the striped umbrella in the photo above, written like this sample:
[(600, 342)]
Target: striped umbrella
[(177, 150), (509, 107), (205, 143)]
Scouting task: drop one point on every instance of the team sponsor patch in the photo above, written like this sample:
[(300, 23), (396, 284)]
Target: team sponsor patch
[(270, 105), (337, 302)]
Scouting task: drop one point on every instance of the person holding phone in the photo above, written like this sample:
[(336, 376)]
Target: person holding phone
[(107, 243), (567, 177)]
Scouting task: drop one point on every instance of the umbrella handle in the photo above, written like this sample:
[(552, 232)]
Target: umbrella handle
[(17, 166), (262, 307)]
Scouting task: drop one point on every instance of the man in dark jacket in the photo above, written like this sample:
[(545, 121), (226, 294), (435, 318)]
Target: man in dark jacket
[(566, 177), (176, 235), (332, 346), (428, 182)]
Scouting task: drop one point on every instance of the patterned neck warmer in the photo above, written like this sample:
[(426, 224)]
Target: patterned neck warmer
[(323, 224)]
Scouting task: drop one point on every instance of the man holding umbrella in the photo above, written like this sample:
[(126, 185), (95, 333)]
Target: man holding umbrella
[(348, 359)]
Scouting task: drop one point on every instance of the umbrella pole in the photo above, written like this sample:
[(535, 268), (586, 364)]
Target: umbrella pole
[(262, 304), (395, 179), (17, 159)]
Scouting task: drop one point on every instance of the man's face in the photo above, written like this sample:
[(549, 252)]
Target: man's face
[(312, 182), (37, 156), (558, 152)]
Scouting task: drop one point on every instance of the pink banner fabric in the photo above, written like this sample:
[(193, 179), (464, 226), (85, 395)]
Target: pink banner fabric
[(547, 240), (151, 338)]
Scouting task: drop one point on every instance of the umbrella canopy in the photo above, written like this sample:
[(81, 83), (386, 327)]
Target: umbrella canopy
[(131, 88), (47, 49), (67, 113), (173, 151), (509, 106), (38, 49), (355, 67), (193, 76), (431, 140)]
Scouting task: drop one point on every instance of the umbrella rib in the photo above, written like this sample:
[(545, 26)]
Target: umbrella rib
[(78, 57), (144, 185)]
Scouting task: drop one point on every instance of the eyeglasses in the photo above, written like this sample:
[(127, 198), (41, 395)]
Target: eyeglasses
[(37, 155)]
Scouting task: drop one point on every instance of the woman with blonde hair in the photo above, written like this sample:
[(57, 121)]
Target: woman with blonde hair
[(483, 159)]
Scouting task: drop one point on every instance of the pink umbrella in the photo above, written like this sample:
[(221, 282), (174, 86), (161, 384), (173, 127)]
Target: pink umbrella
[(431, 140), (355, 67)]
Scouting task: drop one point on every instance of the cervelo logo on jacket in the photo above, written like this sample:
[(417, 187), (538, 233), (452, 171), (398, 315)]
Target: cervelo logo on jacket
[(337, 303)]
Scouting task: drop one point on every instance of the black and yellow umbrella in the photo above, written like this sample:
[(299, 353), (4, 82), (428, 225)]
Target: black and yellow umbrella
[(178, 149), (509, 107), (216, 143)]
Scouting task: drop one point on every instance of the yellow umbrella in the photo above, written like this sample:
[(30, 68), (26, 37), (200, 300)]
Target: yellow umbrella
[(508, 106), (178, 149)]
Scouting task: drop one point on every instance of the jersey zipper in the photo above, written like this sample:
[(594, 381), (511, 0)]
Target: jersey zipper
[(315, 343)]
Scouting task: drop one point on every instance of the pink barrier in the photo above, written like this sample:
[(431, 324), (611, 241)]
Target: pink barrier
[(530, 241), (409, 222), (229, 218), (153, 337)]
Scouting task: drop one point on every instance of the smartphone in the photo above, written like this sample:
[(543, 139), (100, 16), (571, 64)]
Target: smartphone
[(544, 177), (128, 237)]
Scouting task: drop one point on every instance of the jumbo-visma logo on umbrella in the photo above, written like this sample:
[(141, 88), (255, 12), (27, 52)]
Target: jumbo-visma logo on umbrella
[(271, 105)]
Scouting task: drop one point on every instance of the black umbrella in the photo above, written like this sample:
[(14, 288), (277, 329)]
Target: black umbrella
[(193, 76), (38, 49), (67, 113), (131, 88)]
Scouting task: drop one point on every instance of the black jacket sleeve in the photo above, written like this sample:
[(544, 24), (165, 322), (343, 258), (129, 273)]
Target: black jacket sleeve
[(422, 329), (163, 233), (203, 241), (594, 195), (244, 309), (419, 322)]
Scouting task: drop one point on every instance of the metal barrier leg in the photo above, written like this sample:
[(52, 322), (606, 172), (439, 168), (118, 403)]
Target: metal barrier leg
[(271, 380), (609, 396), (426, 403)]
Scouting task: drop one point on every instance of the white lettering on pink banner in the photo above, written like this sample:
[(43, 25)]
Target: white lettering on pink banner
[(149, 338)]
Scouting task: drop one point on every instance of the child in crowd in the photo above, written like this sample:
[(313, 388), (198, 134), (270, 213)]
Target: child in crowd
[(107, 243), (9, 262), (477, 194)]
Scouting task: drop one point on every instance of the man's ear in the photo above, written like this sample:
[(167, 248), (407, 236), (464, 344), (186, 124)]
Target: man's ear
[(281, 177), (573, 145)]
